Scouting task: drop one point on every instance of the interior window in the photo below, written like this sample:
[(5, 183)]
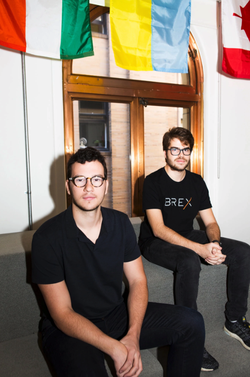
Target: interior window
[(92, 120), (99, 25)]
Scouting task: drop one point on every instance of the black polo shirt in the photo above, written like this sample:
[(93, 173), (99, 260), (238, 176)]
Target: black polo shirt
[(93, 272)]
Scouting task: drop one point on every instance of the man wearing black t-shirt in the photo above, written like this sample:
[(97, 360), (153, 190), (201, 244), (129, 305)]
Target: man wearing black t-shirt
[(78, 261), (172, 197)]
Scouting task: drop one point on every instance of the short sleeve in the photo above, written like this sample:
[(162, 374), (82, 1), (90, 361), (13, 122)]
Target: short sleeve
[(151, 196), (205, 202), (132, 250), (47, 266)]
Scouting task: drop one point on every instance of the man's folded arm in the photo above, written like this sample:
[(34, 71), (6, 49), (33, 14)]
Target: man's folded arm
[(58, 302), (160, 230)]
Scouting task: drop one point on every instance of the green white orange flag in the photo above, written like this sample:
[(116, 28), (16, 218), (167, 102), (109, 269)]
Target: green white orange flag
[(57, 29)]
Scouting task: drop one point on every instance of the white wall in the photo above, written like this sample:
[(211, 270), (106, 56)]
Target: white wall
[(46, 140), (225, 110), (204, 27), (234, 182), (14, 215), (226, 126)]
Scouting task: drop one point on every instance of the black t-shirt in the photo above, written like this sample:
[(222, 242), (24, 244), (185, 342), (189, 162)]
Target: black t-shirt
[(179, 202), (93, 272)]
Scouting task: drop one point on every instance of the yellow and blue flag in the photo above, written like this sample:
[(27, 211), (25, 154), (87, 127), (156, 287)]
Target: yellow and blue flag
[(151, 35)]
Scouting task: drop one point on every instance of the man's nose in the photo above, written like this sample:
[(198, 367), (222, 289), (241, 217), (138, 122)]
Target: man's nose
[(88, 186)]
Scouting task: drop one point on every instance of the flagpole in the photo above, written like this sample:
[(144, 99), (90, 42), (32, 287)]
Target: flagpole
[(219, 93), (26, 136)]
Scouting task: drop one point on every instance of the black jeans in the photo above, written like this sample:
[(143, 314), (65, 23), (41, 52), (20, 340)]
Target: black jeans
[(186, 265), (181, 328)]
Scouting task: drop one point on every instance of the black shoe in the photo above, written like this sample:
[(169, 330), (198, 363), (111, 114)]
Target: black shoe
[(208, 362), (239, 330)]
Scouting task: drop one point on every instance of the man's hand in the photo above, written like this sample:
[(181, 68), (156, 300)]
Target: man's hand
[(211, 251), (217, 258), (212, 254), (119, 357), (132, 366)]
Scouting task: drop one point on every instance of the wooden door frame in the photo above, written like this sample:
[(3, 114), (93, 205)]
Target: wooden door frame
[(130, 91)]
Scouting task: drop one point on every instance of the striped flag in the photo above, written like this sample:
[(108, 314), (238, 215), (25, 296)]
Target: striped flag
[(151, 35), (236, 38), (50, 28)]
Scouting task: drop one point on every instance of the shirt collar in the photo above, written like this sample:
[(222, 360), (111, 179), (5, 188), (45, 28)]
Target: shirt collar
[(72, 230)]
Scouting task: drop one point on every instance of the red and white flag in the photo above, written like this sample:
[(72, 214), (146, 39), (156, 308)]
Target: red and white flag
[(236, 38)]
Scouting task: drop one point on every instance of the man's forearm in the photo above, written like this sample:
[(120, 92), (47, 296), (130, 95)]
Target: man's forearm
[(137, 305), (213, 232), (169, 235), (77, 326), (204, 251), (160, 230)]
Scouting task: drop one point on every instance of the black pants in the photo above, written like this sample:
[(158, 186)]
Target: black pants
[(187, 265), (181, 328)]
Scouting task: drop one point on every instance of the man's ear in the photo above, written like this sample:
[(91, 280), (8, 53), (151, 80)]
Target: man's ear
[(67, 187), (107, 185)]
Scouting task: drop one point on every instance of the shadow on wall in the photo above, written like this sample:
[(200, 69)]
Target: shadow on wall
[(56, 189)]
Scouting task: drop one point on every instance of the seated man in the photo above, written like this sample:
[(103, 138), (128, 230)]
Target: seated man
[(78, 261), (172, 197)]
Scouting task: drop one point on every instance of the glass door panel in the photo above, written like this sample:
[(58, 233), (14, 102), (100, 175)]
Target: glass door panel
[(106, 127)]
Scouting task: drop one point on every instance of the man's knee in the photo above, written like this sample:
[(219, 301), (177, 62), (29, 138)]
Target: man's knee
[(189, 262), (244, 258), (194, 323), (237, 251)]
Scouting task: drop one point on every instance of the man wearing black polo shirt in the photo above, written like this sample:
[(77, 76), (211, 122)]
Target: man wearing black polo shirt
[(78, 261), (172, 197)]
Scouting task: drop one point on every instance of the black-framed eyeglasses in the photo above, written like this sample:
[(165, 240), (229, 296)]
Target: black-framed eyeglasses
[(177, 151), (81, 181)]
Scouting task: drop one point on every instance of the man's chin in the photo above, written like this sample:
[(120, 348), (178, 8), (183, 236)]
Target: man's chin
[(175, 167), (84, 209), (178, 168)]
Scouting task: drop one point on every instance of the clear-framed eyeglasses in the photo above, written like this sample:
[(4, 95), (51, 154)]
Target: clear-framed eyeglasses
[(177, 151), (81, 181)]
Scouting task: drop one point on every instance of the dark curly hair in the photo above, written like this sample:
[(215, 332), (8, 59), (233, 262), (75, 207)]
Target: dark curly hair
[(83, 155), (180, 133)]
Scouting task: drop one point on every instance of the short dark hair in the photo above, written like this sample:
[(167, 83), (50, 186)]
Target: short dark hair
[(180, 133), (83, 155)]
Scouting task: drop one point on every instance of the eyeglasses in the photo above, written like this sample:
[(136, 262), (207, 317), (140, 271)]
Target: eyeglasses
[(81, 181), (177, 151)]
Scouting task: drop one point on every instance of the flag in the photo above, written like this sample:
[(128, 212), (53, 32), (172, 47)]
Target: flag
[(151, 35), (52, 28), (236, 38)]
